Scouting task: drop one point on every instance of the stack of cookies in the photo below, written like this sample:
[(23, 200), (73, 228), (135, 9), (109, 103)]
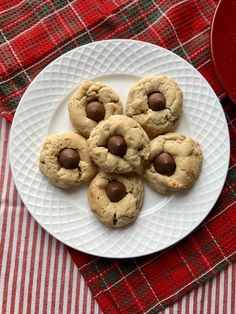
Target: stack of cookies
[(109, 147)]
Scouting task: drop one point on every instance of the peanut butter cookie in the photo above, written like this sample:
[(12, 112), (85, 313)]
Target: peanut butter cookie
[(65, 160), (156, 104), (118, 144), (92, 102), (175, 162), (116, 199)]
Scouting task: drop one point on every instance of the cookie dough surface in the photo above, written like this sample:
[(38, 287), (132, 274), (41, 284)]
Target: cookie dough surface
[(51, 168), (188, 158), (136, 140), (123, 212), (87, 92), (155, 122)]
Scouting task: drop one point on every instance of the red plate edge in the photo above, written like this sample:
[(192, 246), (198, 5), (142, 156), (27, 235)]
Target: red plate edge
[(223, 45)]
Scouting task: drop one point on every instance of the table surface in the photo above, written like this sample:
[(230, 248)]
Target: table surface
[(37, 274)]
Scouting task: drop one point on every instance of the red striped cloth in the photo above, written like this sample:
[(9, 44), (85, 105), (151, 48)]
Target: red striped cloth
[(37, 274), (33, 33)]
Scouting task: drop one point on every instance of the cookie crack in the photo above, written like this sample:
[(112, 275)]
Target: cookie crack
[(114, 219), (172, 113)]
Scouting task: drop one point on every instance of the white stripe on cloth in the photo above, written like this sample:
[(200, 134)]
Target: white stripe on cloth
[(10, 8), (42, 277), (26, 252), (211, 302)]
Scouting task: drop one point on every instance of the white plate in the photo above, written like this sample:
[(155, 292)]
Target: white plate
[(65, 214)]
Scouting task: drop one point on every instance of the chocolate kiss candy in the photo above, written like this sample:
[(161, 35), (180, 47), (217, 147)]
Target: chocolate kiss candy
[(116, 145), (69, 158), (164, 164), (95, 111), (156, 101), (115, 191)]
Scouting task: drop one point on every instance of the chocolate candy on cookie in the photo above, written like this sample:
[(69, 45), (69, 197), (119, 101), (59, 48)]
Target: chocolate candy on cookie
[(174, 163), (164, 164), (118, 144), (69, 158), (155, 103), (65, 160), (95, 111), (115, 191), (91, 103), (116, 199)]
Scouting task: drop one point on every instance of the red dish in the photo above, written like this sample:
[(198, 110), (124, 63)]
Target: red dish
[(223, 45)]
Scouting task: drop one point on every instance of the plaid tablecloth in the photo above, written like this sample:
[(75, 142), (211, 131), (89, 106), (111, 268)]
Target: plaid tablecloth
[(33, 33)]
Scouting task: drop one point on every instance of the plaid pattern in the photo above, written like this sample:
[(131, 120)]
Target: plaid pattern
[(35, 32)]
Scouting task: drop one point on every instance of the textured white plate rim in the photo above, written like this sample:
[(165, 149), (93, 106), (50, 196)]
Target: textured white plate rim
[(120, 255)]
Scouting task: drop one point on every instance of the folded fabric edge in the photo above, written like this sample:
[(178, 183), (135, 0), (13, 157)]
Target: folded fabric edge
[(7, 116)]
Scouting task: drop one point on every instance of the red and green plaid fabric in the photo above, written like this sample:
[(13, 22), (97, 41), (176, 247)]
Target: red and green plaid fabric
[(34, 33)]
